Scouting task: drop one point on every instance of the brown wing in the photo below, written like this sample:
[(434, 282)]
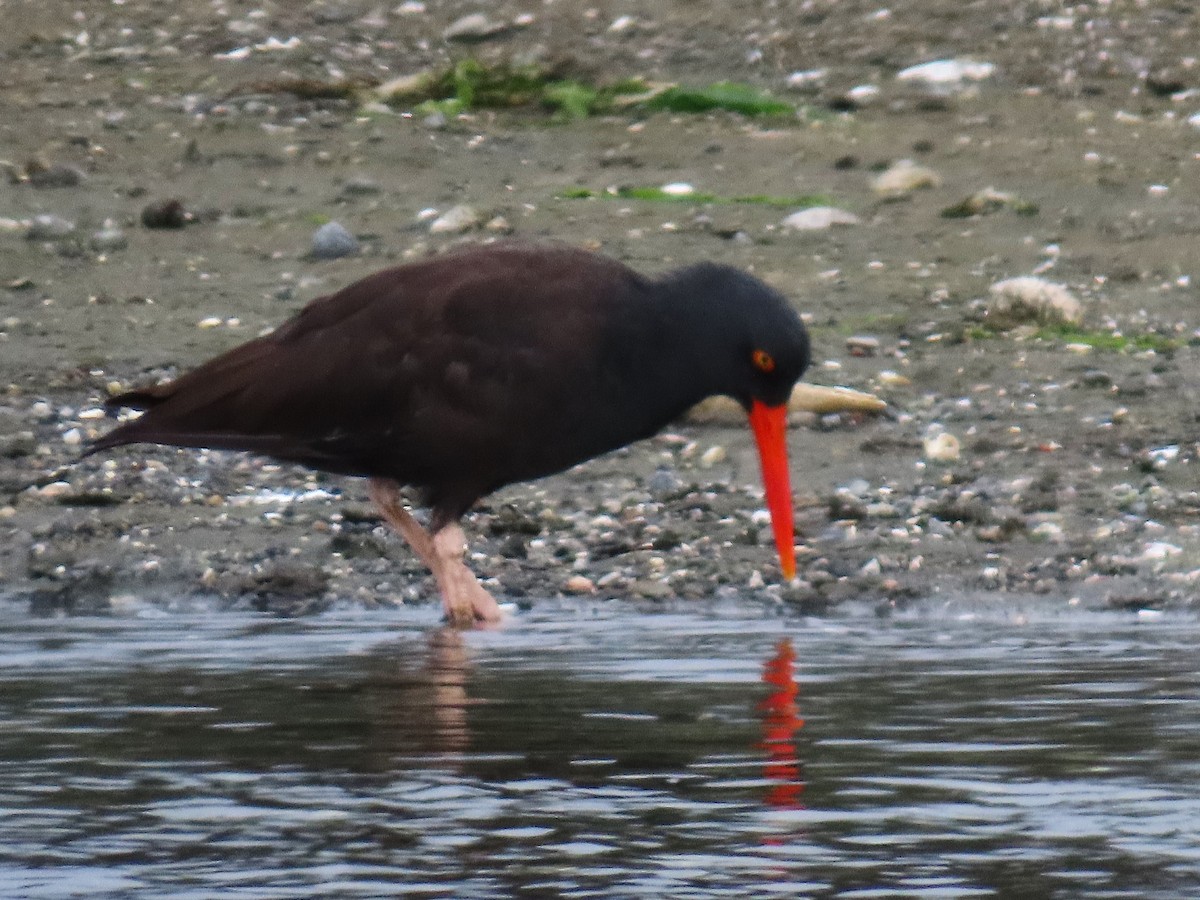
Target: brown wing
[(458, 374)]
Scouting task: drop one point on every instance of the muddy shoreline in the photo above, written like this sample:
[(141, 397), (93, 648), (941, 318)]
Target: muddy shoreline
[(1073, 484)]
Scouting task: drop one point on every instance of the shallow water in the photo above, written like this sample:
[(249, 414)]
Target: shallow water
[(600, 750)]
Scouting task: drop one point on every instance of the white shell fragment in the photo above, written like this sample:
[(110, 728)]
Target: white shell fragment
[(941, 447), (902, 178), (818, 218), (946, 76)]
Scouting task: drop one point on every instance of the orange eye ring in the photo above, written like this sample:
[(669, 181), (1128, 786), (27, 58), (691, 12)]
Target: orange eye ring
[(763, 361)]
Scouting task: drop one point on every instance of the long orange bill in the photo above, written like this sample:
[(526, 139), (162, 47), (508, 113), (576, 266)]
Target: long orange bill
[(770, 432)]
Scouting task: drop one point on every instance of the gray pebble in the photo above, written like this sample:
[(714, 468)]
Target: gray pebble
[(360, 186), (663, 481), (473, 27), (108, 239), (49, 227), (54, 176), (333, 241)]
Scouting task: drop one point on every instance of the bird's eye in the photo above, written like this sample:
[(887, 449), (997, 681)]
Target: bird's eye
[(763, 361)]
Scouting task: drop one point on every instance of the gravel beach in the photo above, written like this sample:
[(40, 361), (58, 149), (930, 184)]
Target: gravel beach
[(1003, 248)]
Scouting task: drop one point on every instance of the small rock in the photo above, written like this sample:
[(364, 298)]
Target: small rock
[(165, 214), (663, 481), (17, 444), (650, 590), (889, 378), (807, 80), (498, 225), (109, 238), (863, 94), (862, 345), (49, 227), (1159, 550), (473, 28), (946, 76), (333, 241), (57, 175), (456, 220), (818, 218), (72, 437), (678, 189), (714, 455), (1023, 299), (579, 584), (360, 186), (53, 490), (902, 178)]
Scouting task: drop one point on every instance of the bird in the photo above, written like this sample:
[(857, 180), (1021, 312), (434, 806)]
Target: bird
[(485, 366)]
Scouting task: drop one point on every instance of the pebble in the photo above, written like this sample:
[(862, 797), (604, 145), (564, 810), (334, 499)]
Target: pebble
[(890, 378), (818, 218), (863, 94), (579, 584), (472, 28), (663, 481), (57, 175), (1159, 550), (1027, 298), (49, 227), (53, 490), (360, 186), (862, 345), (806, 80), (333, 241), (109, 238), (713, 456), (456, 220), (72, 437), (902, 178)]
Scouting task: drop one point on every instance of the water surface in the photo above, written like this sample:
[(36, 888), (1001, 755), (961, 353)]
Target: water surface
[(600, 750)]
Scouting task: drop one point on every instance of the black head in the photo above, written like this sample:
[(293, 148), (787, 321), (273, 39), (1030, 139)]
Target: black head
[(755, 346)]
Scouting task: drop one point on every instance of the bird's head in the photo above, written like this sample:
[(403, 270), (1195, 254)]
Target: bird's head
[(758, 349)]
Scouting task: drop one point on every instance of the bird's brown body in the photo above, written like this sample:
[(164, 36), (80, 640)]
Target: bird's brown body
[(479, 368)]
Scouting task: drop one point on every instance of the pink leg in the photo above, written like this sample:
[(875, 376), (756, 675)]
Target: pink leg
[(463, 597)]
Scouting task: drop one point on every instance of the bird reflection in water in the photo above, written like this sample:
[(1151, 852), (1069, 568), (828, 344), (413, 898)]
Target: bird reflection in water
[(422, 711), (781, 720)]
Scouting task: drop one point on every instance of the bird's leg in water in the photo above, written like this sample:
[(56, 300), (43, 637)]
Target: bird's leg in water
[(463, 597)]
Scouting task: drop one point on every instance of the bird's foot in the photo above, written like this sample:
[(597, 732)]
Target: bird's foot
[(465, 600)]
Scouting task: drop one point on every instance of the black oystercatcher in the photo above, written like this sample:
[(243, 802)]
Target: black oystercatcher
[(486, 366)]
